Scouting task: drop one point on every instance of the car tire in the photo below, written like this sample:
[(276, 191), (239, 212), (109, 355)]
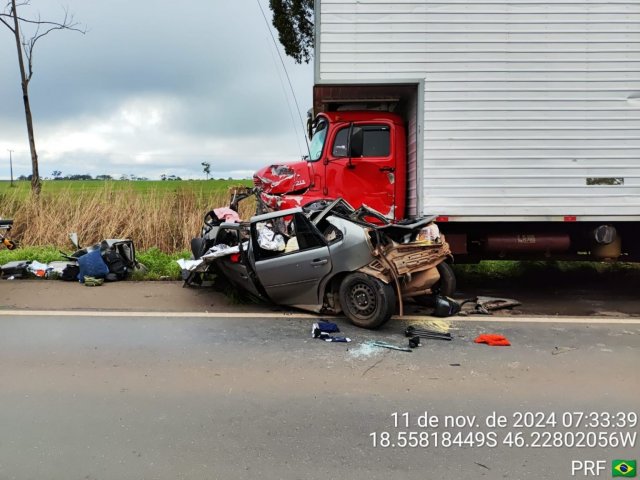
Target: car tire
[(366, 301), (198, 247), (446, 286)]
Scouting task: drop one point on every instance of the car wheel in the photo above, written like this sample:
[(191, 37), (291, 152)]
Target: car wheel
[(445, 286), (366, 301)]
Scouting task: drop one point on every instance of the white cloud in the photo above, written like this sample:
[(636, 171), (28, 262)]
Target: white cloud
[(142, 94)]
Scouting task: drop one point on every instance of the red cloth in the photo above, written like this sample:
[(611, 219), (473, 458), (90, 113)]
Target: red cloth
[(493, 340)]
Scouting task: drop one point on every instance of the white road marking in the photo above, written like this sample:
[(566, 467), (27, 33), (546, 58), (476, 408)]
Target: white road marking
[(539, 319), (302, 315)]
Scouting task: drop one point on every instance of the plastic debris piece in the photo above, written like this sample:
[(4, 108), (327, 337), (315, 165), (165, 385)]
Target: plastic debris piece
[(38, 269), (92, 281), (493, 340), (220, 250), (337, 339)]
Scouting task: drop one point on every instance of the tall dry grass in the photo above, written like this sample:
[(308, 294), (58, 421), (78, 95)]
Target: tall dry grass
[(158, 218)]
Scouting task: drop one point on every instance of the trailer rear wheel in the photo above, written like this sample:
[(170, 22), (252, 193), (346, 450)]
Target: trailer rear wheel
[(366, 301), (446, 286)]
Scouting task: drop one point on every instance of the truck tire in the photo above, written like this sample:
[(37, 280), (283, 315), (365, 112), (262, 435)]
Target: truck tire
[(366, 301), (446, 286)]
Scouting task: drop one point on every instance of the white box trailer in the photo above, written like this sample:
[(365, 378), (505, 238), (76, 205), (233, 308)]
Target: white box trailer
[(519, 113)]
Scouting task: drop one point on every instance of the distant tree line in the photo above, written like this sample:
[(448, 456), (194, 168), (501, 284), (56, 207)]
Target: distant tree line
[(57, 175)]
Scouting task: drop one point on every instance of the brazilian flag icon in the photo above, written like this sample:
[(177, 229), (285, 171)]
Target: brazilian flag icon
[(623, 468)]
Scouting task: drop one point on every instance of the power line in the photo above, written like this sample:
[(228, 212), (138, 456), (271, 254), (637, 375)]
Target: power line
[(293, 93), (286, 97)]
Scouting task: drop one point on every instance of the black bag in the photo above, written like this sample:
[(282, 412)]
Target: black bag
[(119, 255), (70, 272)]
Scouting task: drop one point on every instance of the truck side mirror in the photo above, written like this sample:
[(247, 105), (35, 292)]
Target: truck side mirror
[(309, 124)]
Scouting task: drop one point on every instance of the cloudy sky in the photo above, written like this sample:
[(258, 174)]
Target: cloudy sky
[(154, 87)]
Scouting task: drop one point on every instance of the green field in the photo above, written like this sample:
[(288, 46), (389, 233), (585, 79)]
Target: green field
[(199, 187)]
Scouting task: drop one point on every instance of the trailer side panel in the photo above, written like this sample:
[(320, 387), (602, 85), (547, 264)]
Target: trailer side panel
[(531, 110)]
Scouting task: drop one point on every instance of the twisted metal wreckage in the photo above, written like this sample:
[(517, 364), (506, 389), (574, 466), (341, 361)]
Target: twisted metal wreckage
[(325, 257)]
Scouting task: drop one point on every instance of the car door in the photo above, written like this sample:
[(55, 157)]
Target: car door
[(237, 268), (292, 276), (361, 167)]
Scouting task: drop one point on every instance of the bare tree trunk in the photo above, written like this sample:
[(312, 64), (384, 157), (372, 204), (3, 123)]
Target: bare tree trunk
[(36, 185)]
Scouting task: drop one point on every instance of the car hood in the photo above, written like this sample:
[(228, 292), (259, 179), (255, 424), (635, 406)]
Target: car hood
[(283, 178)]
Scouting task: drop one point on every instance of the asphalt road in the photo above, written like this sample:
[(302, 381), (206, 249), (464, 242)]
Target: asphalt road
[(159, 397)]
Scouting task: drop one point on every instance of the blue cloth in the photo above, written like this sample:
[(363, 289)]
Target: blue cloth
[(328, 327), (91, 264)]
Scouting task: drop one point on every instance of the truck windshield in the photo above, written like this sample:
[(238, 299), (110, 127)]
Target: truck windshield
[(318, 139)]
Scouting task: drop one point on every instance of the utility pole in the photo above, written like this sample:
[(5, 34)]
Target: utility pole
[(11, 165)]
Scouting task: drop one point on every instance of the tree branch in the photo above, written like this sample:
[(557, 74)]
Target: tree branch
[(28, 46), (6, 24)]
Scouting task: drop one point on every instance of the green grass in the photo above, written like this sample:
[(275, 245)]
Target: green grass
[(41, 254), (202, 187), (160, 265), (547, 273)]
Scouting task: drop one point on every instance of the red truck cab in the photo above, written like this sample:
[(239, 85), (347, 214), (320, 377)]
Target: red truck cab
[(357, 155)]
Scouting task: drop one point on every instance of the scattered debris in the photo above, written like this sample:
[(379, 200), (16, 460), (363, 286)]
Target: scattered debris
[(328, 338), (364, 350), (440, 326), (38, 269), (482, 465), (445, 307), (487, 305), (15, 269), (454, 364), (109, 260), (390, 346), (93, 281), (5, 224), (413, 331), (321, 330), (559, 350), (493, 340), (323, 327)]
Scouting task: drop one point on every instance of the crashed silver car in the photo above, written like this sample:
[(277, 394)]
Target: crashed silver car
[(328, 258)]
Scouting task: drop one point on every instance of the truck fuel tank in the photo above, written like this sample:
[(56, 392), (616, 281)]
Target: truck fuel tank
[(536, 242)]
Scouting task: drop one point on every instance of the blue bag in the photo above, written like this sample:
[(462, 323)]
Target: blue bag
[(92, 265)]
